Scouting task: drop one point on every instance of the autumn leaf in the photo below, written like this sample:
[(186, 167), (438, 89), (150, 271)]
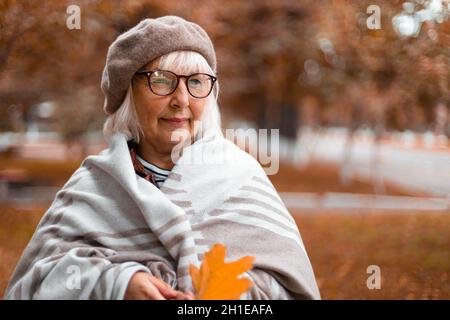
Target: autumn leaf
[(217, 279)]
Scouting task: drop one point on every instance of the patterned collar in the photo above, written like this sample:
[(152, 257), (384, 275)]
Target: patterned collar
[(138, 167)]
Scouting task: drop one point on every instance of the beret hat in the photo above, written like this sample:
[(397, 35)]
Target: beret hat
[(148, 40)]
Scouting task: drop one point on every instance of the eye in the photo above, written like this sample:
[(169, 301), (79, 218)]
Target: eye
[(161, 81), (195, 82)]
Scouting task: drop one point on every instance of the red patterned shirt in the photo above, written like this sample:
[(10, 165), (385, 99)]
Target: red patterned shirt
[(138, 167)]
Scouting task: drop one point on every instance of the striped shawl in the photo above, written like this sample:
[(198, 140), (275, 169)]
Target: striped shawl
[(107, 223)]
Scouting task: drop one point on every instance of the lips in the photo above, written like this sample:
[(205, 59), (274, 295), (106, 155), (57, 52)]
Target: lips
[(176, 122)]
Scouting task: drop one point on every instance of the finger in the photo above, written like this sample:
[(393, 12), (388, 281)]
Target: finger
[(160, 282), (152, 292), (163, 287), (191, 296), (184, 296)]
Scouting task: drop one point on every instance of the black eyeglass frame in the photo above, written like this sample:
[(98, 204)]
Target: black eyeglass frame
[(148, 74)]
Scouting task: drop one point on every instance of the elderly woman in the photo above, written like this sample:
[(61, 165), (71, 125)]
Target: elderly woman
[(131, 220)]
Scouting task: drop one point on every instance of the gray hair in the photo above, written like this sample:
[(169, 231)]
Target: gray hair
[(125, 119)]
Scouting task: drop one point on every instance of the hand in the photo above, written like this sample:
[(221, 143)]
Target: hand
[(144, 286)]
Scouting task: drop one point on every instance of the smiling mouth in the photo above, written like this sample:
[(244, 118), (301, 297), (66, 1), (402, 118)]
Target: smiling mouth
[(176, 122)]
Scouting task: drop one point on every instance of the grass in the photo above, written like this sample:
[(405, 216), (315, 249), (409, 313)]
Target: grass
[(412, 251), (50, 173), (320, 178), (16, 228)]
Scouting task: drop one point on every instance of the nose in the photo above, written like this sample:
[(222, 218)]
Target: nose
[(180, 97)]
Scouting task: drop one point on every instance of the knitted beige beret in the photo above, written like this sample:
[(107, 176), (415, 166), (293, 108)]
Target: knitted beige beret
[(148, 40)]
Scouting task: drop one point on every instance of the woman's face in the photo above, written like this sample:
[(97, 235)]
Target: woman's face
[(160, 116)]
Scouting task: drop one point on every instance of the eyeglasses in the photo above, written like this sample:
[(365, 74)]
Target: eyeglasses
[(164, 83)]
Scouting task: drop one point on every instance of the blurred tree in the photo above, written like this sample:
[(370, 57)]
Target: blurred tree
[(272, 54)]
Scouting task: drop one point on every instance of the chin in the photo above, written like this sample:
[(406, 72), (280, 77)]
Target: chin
[(168, 137)]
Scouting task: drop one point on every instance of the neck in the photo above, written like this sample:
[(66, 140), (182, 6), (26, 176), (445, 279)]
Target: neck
[(153, 156)]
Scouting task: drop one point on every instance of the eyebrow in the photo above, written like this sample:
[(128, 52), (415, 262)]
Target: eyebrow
[(143, 68)]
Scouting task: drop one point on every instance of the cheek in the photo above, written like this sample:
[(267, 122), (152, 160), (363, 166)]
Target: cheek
[(149, 113), (146, 116), (197, 109), (148, 108), (153, 114)]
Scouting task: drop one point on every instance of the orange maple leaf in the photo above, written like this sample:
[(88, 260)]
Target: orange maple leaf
[(218, 280)]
